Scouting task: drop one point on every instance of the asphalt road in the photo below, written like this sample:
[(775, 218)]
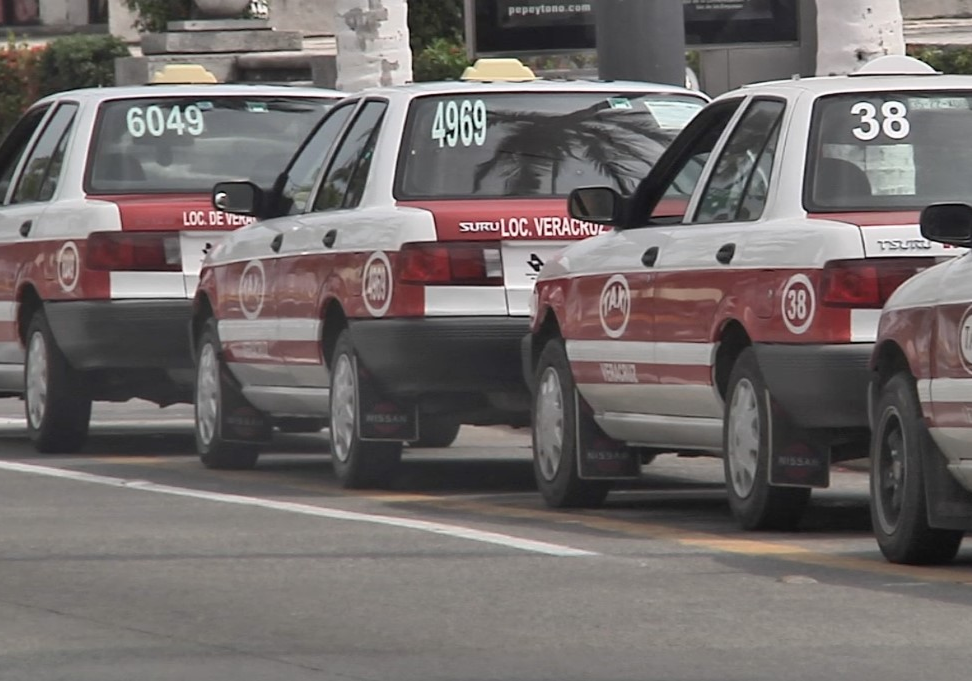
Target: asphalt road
[(130, 561)]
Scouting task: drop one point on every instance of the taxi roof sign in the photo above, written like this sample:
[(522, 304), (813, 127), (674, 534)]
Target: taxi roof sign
[(896, 65), (509, 70), (183, 74)]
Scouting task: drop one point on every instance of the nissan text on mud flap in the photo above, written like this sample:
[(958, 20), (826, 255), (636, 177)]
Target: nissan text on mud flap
[(105, 220), (386, 288), (921, 388), (734, 307)]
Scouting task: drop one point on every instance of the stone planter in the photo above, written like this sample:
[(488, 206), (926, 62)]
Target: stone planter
[(222, 9)]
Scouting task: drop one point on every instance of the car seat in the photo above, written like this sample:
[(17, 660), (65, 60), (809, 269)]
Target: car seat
[(840, 183)]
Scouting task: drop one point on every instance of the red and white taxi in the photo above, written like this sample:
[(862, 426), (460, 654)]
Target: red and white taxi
[(105, 218), (921, 392), (734, 307), (387, 287)]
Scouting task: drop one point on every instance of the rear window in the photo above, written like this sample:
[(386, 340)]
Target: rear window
[(879, 151), (534, 143), (188, 144)]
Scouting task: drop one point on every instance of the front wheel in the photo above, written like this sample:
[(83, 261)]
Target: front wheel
[(214, 451), (554, 429), (357, 463), (899, 507), (747, 428), (56, 403)]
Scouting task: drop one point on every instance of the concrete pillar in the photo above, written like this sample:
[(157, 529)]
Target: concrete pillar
[(121, 21), (64, 12), (852, 32), (372, 43)]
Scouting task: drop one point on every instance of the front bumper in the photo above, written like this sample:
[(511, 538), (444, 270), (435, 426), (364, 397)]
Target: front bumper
[(449, 355), (123, 334), (819, 386)]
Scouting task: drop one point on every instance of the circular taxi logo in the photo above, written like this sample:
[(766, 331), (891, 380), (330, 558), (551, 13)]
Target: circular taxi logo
[(376, 284), (799, 303), (67, 264), (615, 306), (253, 286), (965, 340)]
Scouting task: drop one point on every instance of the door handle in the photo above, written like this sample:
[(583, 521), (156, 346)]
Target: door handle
[(724, 254), (26, 227), (650, 256), (330, 238), (277, 243)]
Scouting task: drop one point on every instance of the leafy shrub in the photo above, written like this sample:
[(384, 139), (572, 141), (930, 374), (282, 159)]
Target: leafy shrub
[(430, 20), (153, 15), (18, 81), (945, 58), (442, 59), (79, 61)]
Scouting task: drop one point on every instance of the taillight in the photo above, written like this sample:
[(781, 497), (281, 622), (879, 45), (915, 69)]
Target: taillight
[(150, 251), (468, 263), (866, 283)]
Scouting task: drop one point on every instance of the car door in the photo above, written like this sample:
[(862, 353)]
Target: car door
[(32, 158), (323, 249), (703, 268), (635, 363)]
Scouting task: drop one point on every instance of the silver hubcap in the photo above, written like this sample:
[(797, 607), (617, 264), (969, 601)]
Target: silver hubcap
[(743, 445), (342, 408), (207, 394), (891, 472), (36, 379), (549, 426)]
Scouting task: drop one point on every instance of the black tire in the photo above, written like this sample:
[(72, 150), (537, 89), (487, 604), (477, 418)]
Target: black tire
[(899, 508), (755, 503), (56, 402), (357, 463), (300, 425), (215, 452), (439, 431), (558, 480)]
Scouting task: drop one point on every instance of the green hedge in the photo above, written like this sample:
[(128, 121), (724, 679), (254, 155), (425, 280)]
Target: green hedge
[(955, 59)]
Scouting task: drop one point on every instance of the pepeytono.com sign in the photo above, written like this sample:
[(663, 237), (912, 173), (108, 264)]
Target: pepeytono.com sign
[(522, 27)]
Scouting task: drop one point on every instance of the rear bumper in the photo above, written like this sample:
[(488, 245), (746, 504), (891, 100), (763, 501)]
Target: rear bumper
[(819, 386), (123, 334), (448, 355)]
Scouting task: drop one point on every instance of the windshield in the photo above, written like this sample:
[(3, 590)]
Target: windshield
[(535, 144), (189, 144), (889, 151)]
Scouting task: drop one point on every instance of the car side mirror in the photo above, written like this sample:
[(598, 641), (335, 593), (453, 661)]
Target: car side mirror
[(239, 198), (600, 205), (947, 223)]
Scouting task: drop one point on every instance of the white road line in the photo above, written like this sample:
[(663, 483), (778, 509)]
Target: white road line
[(457, 531)]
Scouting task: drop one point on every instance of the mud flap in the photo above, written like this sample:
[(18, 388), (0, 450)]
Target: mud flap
[(239, 420), (599, 456), (949, 504), (381, 418), (796, 457)]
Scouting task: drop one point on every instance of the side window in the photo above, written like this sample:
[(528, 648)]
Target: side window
[(42, 160), (743, 167), (15, 145), (348, 169), (677, 172), (304, 169)]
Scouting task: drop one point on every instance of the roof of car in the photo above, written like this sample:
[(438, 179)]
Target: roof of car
[(539, 85), (131, 91)]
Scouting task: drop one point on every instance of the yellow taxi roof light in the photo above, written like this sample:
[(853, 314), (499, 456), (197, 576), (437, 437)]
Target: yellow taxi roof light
[(510, 70), (183, 74)]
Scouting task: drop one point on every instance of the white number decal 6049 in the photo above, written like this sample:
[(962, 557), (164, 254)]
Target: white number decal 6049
[(155, 122), (894, 121)]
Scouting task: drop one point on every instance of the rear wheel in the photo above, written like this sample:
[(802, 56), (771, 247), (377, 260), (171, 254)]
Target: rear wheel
[(555, 435), (899, 507), (439, 431), (357, 463), (747, 428), (214, 451), (56, 403)]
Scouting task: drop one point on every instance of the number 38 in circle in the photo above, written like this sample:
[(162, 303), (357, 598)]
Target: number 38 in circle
[(799, 303)]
